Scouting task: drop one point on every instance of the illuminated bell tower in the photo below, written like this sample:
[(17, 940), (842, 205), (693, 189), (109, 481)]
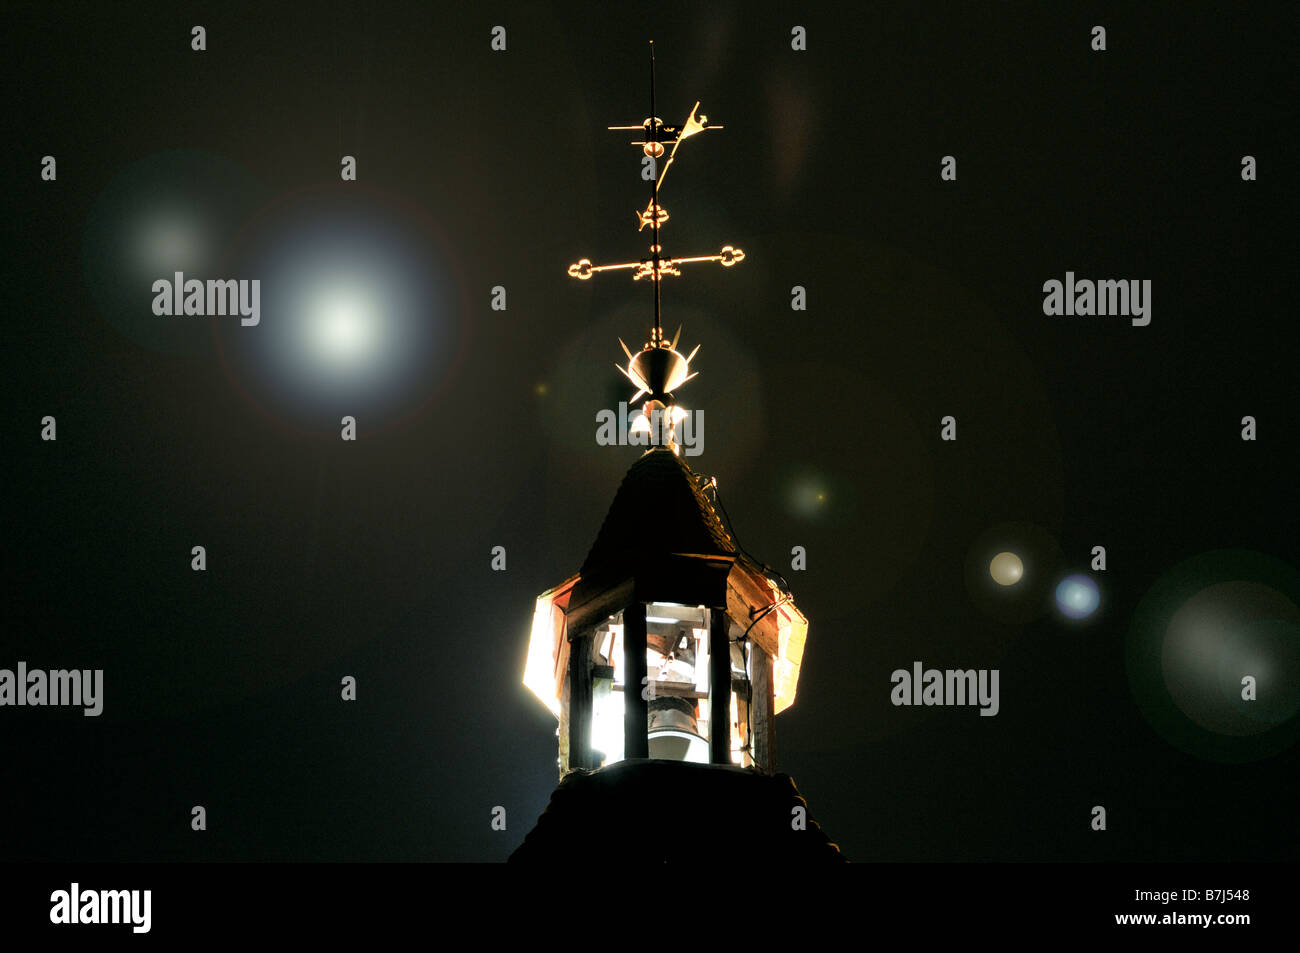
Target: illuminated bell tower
[(667, 657), (671, 643)]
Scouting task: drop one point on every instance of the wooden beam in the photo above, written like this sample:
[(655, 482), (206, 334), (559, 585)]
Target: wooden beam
[(563, 733), (588, 609), (580, 701), (673, 690), (636, 714), (719, 688), (763, 712), (746, 600)]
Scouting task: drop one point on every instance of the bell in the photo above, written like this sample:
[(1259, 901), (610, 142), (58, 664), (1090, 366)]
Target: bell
[(674, 733)]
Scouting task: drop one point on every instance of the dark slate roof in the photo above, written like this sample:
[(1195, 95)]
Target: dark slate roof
[(641, 811), (659, 508)]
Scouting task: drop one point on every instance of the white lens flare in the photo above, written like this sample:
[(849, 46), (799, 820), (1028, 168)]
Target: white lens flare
[(167, 241), (359, 311), (342, 328)]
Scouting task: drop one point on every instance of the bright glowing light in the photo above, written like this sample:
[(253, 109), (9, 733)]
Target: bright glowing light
[(343, 328), (607, 721), (1077, 596), (357, 310), (544, 645), (1006, 569)]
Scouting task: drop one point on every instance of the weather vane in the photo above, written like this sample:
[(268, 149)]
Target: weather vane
[(658, 368)]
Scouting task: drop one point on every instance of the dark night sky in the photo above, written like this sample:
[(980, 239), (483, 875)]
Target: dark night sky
[(371, 558)]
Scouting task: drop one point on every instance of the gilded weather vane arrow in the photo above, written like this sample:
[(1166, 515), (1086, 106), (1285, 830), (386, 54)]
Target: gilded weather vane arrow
[(659, 368), (653, 146)]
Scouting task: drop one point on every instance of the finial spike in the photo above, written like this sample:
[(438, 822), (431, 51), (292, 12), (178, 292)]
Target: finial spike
[(654, 185)]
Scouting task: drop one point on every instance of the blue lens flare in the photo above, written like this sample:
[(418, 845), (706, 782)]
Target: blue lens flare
[(1077, 596)]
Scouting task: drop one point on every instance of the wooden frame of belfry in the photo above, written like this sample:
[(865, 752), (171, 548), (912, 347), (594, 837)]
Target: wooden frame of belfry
[(742, 607)]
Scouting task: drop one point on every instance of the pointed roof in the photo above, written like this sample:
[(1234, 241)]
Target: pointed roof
[(660, 509)]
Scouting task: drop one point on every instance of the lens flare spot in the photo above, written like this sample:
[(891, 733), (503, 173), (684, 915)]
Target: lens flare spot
[(809, 496), (1006, 569), (1077, 596), (342, 330)]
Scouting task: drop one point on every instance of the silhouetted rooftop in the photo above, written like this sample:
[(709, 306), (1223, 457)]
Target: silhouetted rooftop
[(644, 811)]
